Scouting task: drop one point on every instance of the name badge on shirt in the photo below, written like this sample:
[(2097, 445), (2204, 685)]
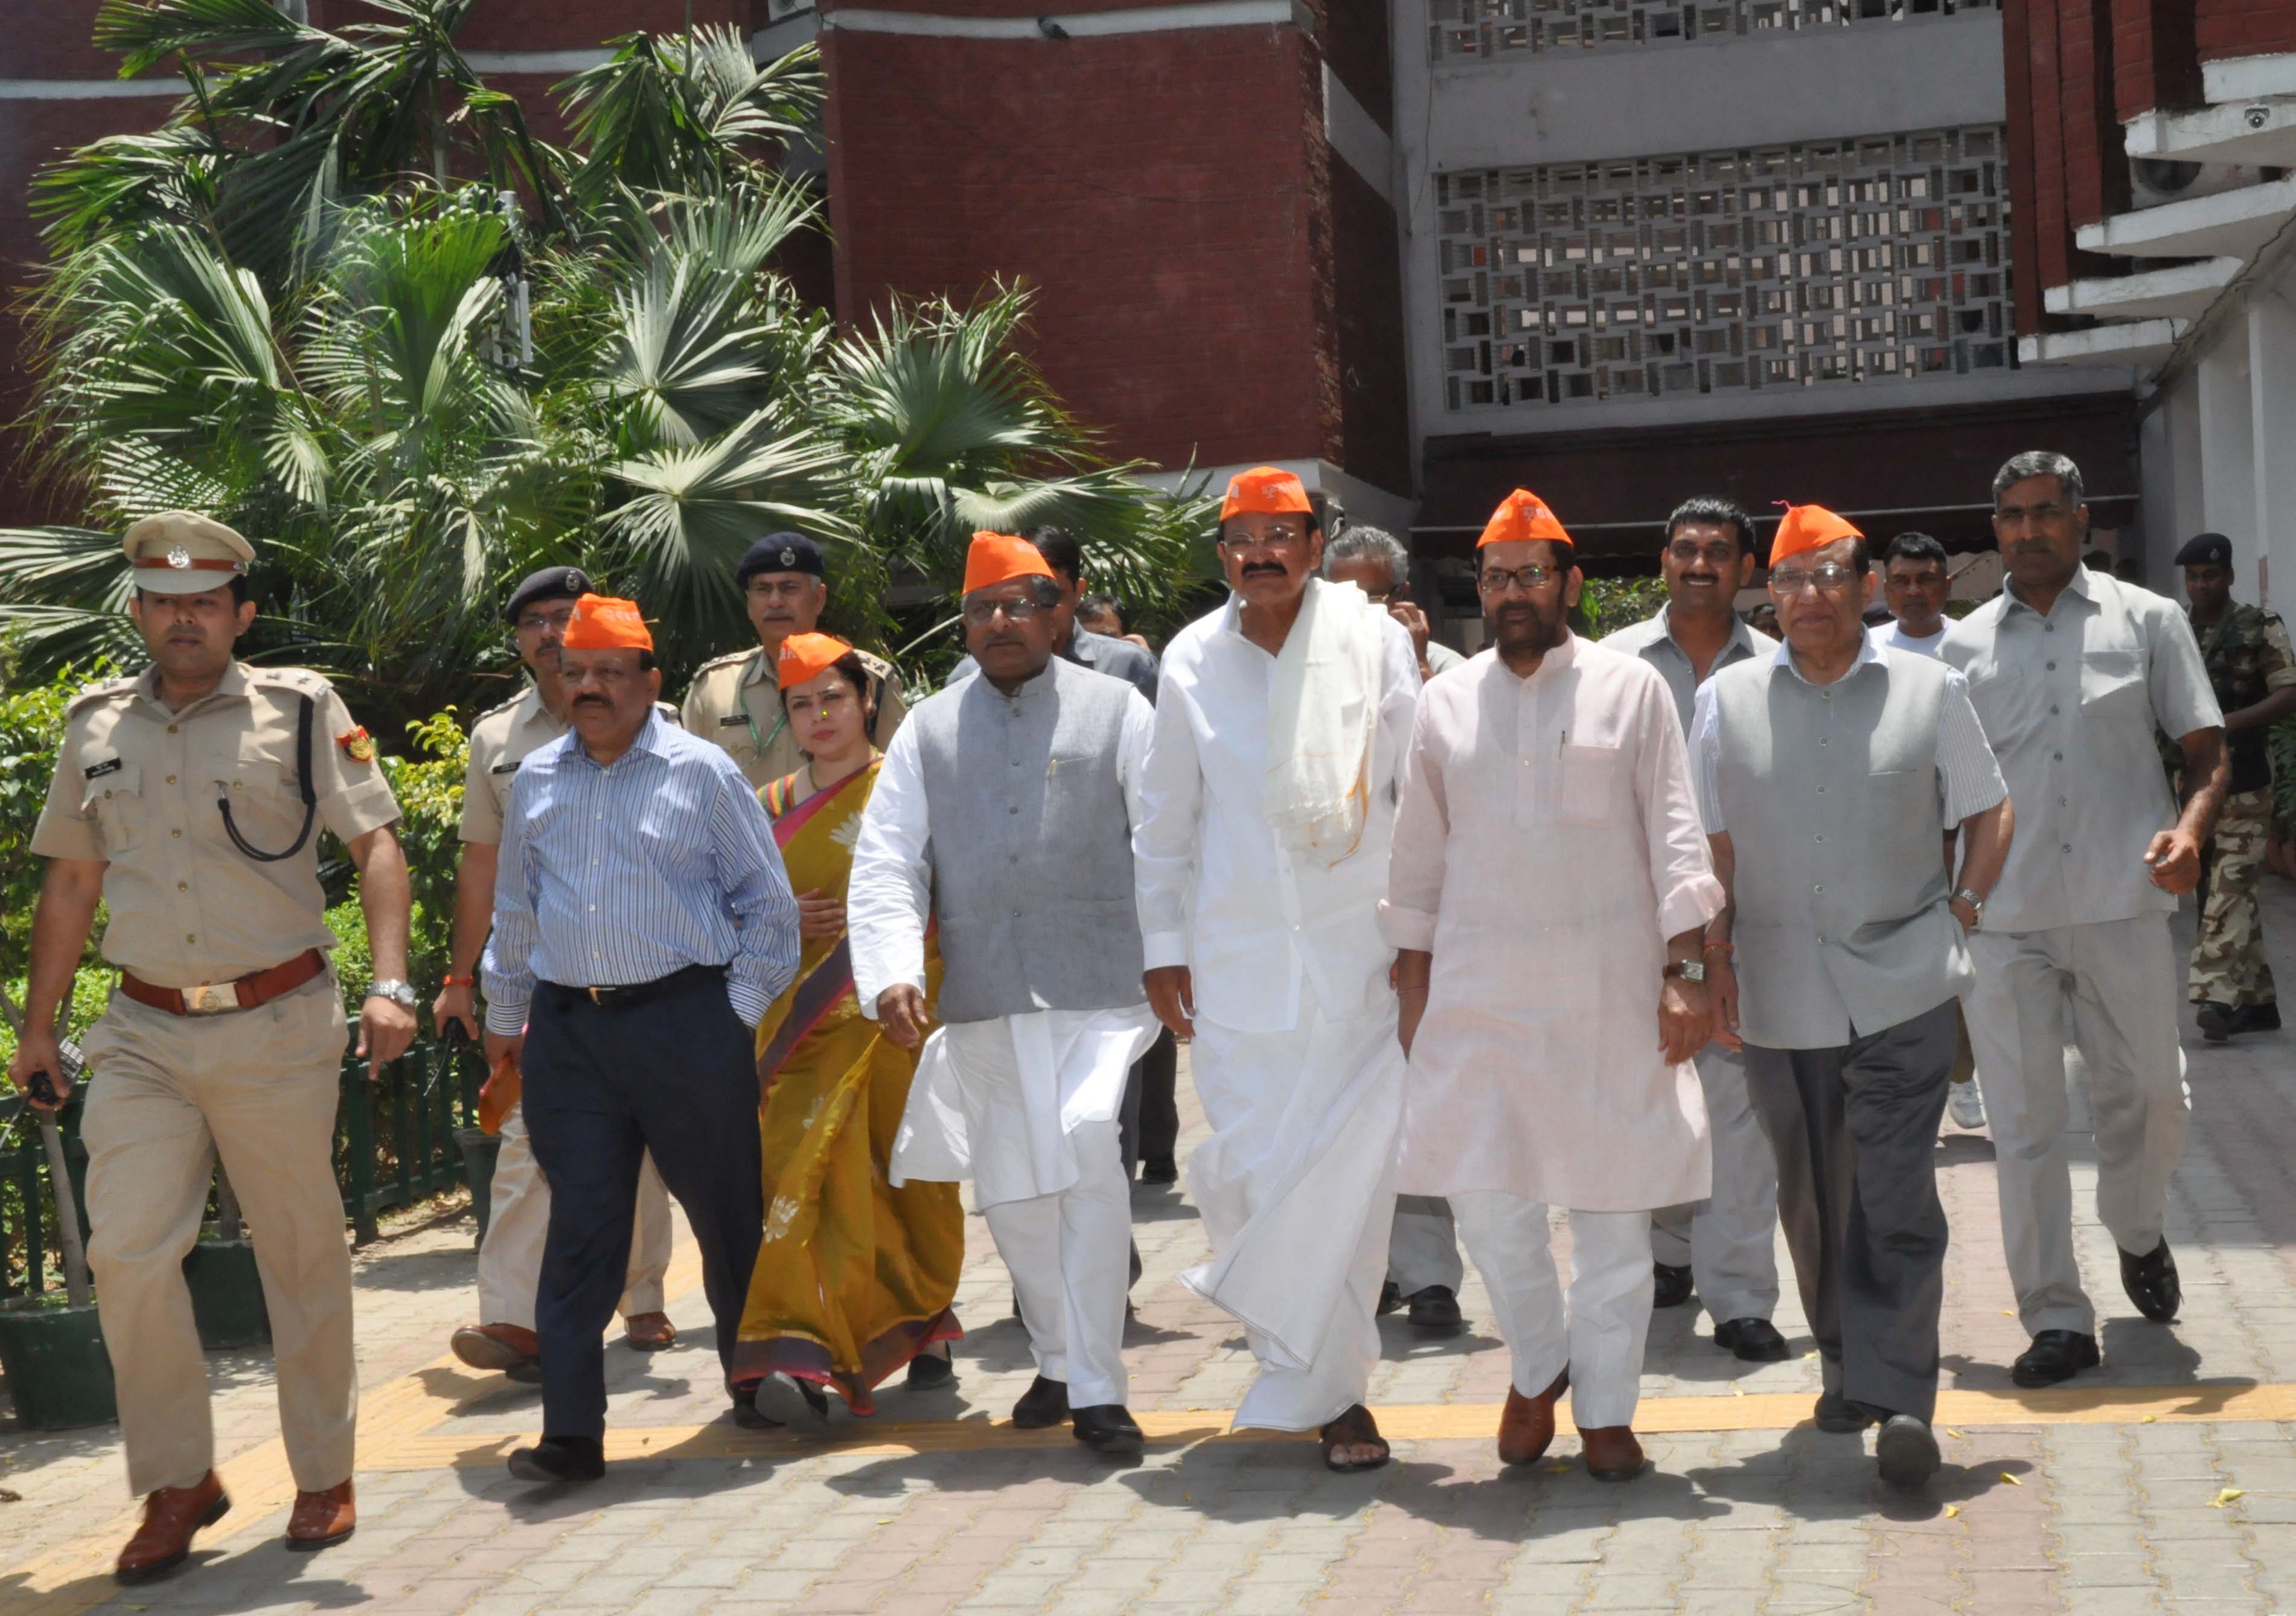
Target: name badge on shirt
[(738, 718), (504, 768), (110, 766)]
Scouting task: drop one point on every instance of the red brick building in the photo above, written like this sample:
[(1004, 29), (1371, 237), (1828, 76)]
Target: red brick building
[(2150, 146)]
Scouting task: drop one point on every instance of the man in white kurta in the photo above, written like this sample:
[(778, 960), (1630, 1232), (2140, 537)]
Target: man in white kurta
[(1004, 808), (1549, 891), (1268, 812)]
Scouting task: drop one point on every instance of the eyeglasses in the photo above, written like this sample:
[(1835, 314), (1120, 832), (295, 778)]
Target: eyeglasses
[(1687, 554), (1270, 540), (2046, 511), (535, 622), (1827, 575), (1498, 580), (980, 614)]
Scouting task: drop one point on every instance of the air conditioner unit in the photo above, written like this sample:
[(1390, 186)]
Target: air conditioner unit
[(2154, 181), (782, 11)]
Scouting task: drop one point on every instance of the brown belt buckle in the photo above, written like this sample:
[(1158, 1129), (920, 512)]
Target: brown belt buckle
[(211, 998)]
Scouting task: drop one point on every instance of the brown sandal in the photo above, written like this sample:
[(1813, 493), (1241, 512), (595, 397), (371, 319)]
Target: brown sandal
[(1355, 1428)]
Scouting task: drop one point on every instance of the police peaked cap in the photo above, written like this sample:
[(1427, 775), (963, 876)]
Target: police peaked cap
[(550, 584), (781, 552)]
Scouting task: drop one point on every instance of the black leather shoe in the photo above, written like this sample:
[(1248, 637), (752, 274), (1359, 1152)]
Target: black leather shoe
[(1907, 1450), (1839, 1415), (2216, 1021), (2055, 1355), (1672, 1286), (1435, 1311), (1159, 1169), (2257, 1018), (1756, 1340), (747, 1414), (1044, 1403), (1390, 1298), (929, 1372), (559, 1460), (2152, 1284), (1108, 1428)]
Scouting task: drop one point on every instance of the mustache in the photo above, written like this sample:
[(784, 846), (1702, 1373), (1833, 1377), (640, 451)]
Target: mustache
[(590, 701), (1262, 570)]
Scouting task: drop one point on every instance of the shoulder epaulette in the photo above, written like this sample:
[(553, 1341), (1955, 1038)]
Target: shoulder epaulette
[(97, 693), (716, 662), (302, 681)]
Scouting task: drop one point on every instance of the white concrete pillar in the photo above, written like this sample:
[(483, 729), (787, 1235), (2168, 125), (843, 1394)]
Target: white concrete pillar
[(2272, 393), (2157, 470), (2228, 445)]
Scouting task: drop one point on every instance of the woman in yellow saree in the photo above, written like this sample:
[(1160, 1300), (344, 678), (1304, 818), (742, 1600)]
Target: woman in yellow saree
[(855, 1278)]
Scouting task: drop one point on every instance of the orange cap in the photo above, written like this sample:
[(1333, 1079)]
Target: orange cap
[(995, 557), (1805, 528), (1524, 515), (602, 622), (1265, 489), (808, 656)]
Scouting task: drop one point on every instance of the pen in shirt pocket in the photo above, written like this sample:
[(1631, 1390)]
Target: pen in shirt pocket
[(1560, 741)]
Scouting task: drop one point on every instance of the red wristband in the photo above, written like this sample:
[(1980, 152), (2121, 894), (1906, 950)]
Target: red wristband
[(451, 981)]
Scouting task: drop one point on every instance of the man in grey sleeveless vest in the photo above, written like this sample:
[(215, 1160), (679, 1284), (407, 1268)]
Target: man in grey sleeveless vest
[(1004, 808), (1824, 773)]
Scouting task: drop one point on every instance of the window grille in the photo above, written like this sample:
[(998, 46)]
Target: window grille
[(1475, 30), (1883, 258)]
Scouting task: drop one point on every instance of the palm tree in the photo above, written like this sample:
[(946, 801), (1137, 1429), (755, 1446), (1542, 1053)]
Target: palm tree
[(276, 309)]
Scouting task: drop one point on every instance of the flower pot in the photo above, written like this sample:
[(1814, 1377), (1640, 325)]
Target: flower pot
[(57, 1368), (227, 1294), (480, 1149)]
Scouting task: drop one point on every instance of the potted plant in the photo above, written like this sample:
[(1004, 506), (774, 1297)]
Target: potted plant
[(227, 1289), (51, 1348)]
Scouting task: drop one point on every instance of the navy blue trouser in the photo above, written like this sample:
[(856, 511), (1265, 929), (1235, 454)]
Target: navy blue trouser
[(675, 1075)]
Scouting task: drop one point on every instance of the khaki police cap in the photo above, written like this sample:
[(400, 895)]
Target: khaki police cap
[(180, 553)]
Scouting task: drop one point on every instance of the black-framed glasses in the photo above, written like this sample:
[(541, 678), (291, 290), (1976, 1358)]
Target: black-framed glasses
[(1498, 580)]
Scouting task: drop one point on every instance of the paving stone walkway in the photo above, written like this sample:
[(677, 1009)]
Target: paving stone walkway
[(2166, 1482)]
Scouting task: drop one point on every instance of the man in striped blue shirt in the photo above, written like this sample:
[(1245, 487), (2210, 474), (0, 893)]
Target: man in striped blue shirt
[(642, 924)]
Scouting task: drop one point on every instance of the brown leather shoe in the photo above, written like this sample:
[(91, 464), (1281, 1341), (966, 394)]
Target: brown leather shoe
[(503, 1347), (1612, 1453), (649, 1332), (1527, 1425), (322, 1518), (171, 1514)]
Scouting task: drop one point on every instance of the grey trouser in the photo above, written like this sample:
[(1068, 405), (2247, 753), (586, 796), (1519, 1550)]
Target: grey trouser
[(1424, 1248), (2123, 983), (1729, 1239), (1855, 1129)]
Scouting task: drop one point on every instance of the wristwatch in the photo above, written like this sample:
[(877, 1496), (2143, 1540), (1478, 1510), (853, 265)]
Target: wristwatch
[(1976, 904), (401, 994), (1688, 970)]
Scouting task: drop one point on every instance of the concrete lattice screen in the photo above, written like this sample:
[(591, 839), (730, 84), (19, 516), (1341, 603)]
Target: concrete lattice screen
[(1482, 30), (1871, 260)]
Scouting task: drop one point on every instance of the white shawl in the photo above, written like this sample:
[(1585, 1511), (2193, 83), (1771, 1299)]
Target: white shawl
[(1323, 710)]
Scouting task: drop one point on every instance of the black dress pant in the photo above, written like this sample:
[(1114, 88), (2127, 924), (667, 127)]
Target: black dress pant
[(1151, 1107), (675, 1075), (1855, 1129)]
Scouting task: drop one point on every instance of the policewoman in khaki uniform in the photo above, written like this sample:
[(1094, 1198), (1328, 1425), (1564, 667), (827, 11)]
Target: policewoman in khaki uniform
[(188, 799), (510, 1259), (735, 700)]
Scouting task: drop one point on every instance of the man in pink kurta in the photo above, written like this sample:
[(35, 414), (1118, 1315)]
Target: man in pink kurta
[(1548, 891)]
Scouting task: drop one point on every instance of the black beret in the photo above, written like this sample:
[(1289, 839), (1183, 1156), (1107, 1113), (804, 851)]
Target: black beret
[(780, 553), (550, 584), (2209, 550)]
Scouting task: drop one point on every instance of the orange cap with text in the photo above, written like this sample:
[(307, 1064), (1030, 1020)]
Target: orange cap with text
[(606, 622), (997, 557), (1522, 515), (808, 656), (1805, 528), (1265, 490)]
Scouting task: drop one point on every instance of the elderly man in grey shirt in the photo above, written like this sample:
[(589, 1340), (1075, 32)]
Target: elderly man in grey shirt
[(1727, 1244), (2072, 671), (1827, 775)]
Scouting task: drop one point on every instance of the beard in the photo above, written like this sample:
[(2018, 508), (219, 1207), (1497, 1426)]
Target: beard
[(1529, 629)]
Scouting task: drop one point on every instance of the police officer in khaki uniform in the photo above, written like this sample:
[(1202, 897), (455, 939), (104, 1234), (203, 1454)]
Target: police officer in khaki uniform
[(187, 798), (735, 700), (510, 1259)]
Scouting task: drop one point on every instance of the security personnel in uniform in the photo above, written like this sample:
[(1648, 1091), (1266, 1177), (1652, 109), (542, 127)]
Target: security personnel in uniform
[(187, 798), (510, 1259), (735, 700), (2254, 672)]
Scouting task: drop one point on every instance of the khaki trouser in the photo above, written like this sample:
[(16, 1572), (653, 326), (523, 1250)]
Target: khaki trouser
[(169, 1092), (2228, 965), (518, 1223)]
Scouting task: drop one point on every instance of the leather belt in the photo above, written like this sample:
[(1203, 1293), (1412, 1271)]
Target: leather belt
[(243, 993), (622, 994)]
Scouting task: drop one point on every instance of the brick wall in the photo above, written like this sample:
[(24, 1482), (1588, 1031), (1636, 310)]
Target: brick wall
[(2067, 166), (1374, 424), (1161, 190), (2155, 58), (2096, 168), (2244, 28)]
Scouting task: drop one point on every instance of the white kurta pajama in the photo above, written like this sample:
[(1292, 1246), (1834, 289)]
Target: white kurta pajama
[(1295, 1057), (1025, 1105), (1547, 845)]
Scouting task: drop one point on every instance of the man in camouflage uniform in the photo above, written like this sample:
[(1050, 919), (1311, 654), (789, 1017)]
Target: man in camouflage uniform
[(735, 700), (2253, 671)]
